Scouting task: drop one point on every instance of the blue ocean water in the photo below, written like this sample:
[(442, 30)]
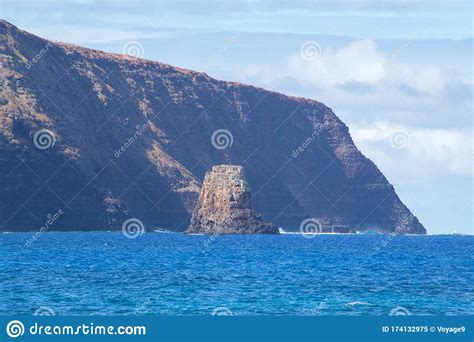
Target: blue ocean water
[(105, 273)]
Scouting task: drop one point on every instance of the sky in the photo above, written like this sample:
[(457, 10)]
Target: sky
[(398, 73)]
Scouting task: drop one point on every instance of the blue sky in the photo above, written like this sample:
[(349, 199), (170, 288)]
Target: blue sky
[(388, 69)]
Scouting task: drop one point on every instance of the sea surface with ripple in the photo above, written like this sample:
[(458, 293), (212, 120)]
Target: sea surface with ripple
[(106, 273)]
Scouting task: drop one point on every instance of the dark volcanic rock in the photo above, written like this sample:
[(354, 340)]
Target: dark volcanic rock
[(133, 139), (224, 205)]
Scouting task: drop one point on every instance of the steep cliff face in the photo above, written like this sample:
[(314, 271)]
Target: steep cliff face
[(133, 138), (224, 205)]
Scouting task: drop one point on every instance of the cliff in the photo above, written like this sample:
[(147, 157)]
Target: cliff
[(224, 205), (106, 137)]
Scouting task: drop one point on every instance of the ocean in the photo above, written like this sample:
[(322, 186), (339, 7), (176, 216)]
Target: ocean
[(106, 273)]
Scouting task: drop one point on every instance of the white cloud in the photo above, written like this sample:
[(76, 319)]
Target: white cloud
[(360, 81), (426, 79), (357, 62), (420, 153)]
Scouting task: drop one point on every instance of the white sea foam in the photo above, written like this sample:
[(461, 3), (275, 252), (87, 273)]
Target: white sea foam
[(164, 231), (357, 303), (284, 232)]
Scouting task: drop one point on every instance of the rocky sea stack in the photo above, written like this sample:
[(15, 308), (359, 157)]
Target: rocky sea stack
[(224, 205)]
